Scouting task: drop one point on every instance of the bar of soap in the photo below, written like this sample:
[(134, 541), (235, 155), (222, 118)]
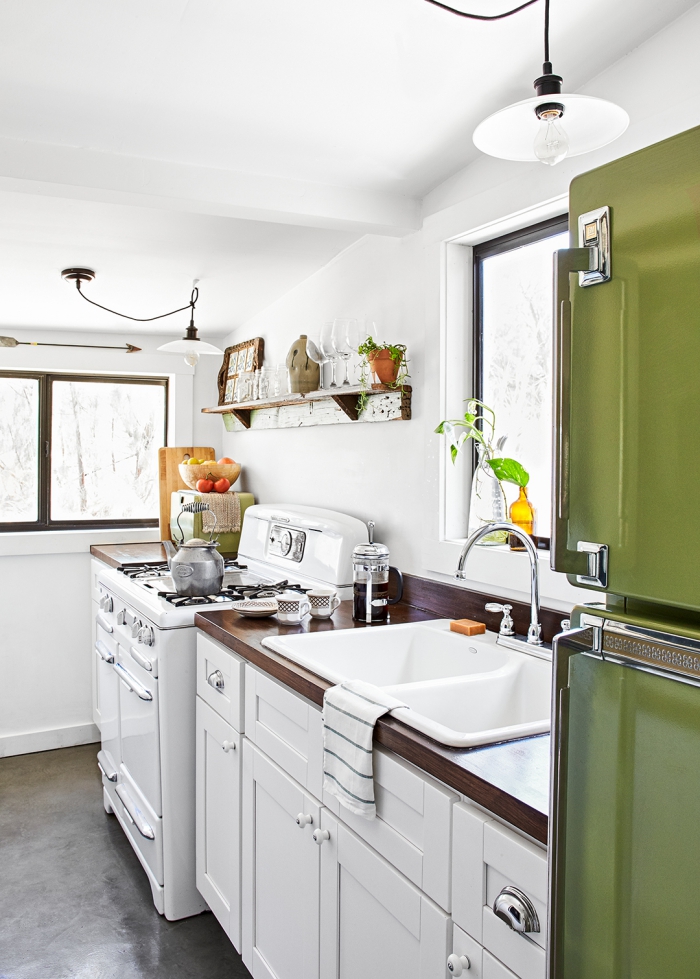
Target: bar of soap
[(468, 627)]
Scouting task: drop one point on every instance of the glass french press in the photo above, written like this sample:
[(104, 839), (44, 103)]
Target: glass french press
[(370, 576)]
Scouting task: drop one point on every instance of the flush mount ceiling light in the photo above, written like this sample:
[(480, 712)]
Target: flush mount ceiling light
[(190, 345), (552, 124)]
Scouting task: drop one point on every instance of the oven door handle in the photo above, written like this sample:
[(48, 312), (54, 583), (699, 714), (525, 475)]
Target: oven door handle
[(109, 773), (134, 813), (132, 683), (104, 652)]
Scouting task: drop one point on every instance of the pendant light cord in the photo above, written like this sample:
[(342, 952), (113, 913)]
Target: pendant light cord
[(546, 35), (146, 319), (507, 13)]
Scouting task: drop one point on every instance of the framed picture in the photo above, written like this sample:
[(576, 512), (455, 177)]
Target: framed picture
[(246, 356)]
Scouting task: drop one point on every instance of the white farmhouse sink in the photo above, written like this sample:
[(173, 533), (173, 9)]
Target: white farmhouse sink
[(459, 690)]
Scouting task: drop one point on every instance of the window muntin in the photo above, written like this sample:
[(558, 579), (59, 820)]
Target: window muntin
[(94, 462), (513, 284)]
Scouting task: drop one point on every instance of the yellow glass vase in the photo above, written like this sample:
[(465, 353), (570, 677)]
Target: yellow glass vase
[(522, 514)]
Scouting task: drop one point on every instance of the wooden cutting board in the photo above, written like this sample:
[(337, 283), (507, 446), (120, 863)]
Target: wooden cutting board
[(169, 458)]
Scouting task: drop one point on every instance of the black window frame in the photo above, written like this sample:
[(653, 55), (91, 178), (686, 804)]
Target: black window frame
[(480, 252), (46, 379)]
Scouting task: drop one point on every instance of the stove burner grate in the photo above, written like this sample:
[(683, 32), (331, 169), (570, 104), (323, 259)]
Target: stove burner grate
[(230, 593), (146, 572)]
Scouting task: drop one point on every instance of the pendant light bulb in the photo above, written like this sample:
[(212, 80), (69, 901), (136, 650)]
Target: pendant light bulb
[(192, 358), (551, 143)]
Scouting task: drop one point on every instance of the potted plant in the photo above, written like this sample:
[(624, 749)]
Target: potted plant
[(387, 361), (488, 502)]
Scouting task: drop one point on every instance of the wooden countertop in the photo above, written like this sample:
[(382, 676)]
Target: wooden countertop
[(117, 555), (509, 779)]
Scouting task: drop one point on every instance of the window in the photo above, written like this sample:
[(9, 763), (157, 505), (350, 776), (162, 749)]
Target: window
[(513, 349), (79, 451)]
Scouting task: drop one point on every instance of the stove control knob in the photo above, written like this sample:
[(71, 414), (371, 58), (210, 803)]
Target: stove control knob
[(146, 635), (121, 617), (135, 628), (106, 603)]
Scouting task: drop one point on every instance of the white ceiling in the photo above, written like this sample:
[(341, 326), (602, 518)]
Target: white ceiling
[(145, 261), (137, 136)]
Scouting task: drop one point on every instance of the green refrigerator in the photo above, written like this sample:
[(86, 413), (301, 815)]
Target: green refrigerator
[(625, 784)]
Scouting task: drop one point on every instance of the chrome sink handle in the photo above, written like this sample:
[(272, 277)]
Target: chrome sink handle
[(517, 910), (534, 632), (506, 628)]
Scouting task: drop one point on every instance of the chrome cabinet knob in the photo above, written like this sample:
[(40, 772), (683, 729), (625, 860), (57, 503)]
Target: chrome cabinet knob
[(457, 964), (304, 820), (320, 836), (517, 910), (216, 680), (229, 746)]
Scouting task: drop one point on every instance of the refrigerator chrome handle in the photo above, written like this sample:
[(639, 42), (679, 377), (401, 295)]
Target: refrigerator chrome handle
[(566, 262)]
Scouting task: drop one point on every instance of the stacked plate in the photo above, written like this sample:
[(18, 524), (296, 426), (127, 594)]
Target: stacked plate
[(256, 607)]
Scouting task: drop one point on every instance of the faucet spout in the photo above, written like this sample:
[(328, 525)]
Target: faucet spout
[(534, 633)]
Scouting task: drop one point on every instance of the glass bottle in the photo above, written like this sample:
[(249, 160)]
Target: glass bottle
[(522, 514), (488, 501)]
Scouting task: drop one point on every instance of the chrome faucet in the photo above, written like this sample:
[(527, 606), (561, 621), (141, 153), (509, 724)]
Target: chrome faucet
[(534, 632)]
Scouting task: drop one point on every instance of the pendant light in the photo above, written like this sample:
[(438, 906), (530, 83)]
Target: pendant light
[(551, 125), (190, 345)]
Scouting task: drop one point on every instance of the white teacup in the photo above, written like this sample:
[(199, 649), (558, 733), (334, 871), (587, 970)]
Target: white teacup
[(292, 607), (324, 602)]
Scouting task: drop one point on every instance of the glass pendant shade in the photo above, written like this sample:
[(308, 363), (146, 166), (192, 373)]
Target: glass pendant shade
[(190, 349), (516, 132)]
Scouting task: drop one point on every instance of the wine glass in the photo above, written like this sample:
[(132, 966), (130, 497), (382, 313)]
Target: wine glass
[(329, 351), (313, 349), (342, 330)]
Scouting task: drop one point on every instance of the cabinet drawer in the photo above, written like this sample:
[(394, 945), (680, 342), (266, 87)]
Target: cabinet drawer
[(493, 969), (486, 857), (220, 680), (413, 825), (464, 944), (286, 727)]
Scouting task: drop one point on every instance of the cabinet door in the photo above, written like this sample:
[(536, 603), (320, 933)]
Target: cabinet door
[(281, 868), (375, 923), (218, 813)]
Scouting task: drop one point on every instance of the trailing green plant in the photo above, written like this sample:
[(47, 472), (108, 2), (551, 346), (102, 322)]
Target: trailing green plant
[(398, 355), (479, 425)]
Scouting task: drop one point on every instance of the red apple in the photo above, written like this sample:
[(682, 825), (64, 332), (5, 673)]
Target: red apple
[(222, 485)]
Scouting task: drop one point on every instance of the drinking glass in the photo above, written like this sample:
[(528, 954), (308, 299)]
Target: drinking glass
[(329, 351), (281, 382), (313, 349), (344, 330)]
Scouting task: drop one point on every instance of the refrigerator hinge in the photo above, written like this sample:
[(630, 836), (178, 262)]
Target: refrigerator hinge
[(594, 233), (597, 558)]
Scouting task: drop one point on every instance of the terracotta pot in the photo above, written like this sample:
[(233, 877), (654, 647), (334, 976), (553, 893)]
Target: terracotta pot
[(382, 364)]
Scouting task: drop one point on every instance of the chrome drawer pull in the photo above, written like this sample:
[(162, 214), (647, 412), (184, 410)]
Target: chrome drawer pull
[(132, 683), (103, 623), (135, 814), (216, 680), (104, 766), (517, 910), (104, 652)]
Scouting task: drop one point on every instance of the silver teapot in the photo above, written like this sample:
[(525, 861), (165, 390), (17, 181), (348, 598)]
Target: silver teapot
[(196, 566)]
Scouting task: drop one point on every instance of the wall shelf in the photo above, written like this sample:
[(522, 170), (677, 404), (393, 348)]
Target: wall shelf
[(326, 407)]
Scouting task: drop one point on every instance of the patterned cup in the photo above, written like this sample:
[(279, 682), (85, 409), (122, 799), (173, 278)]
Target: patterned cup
[(292, 607), (324, 602)]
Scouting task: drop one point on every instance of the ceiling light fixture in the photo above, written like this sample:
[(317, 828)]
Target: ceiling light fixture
[(190, 345), (533, 129)]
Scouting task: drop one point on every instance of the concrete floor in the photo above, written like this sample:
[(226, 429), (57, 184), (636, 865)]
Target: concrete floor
[(74, 901)]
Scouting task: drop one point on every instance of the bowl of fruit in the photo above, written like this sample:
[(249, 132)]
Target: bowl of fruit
[(208, 475)]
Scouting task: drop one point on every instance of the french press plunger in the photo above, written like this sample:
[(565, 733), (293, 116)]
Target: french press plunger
[(370, 576)]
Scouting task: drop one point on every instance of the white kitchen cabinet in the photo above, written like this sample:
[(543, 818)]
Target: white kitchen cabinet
[(220, 676), (374, 922), (218, 818), (280, 872), (286, 726)]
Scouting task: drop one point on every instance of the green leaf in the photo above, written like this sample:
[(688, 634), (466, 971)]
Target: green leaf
[(455, 452), (510, 471)]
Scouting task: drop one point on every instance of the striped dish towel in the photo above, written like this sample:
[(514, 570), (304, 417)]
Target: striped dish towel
[(350, 712)]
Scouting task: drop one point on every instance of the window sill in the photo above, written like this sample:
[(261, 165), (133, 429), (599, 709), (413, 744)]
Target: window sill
[(505, 572), (71, 541)]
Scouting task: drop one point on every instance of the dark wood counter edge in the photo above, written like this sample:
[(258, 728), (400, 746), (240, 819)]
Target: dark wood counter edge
[(117, 555), (433, 758)]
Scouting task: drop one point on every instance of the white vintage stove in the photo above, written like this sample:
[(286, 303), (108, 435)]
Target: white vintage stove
[(145, 658)]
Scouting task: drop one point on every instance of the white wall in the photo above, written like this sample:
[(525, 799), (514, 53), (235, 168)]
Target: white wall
[(45, 651)]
